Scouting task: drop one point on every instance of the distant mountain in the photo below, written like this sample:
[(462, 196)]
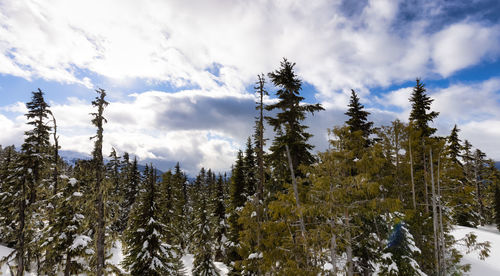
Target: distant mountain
[(497, 165), (72, 156)]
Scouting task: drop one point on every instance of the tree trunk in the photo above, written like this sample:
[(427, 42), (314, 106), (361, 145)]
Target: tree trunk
[(425, 179), (67, 268), (296, 192), (22, 218), (434, 217), (411, 174), (350, 271)]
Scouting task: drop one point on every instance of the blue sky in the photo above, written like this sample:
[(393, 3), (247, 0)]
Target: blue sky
[(180, 73)]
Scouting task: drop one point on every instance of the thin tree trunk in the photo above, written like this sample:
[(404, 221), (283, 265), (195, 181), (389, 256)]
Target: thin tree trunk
[(441, 230), (296, 192), (411, 174), (55, 176), (434, 217), (67, 268), (333, 248), (425, 179), (22, 217), (350, 271)]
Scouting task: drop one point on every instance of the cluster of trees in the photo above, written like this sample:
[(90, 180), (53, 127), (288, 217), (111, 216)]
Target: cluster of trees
[(380, 200)]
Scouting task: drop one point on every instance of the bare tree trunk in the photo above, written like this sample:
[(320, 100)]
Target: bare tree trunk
[(22, 217), (296, 192), (425, 179), (333, 248), (434, 217), (441, 230), (55, 175), (478, 188), (350, 271), (411, 174)]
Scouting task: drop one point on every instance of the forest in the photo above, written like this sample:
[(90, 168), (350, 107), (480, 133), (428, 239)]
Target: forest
[(381, 200)]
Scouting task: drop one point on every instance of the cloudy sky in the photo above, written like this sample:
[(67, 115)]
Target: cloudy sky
[(180, 74)]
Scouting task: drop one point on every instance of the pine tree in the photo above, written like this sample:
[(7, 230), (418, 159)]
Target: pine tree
[(291, 114), (358, 120), (237, 200), (35, 157), (100, 188), (420, 104), (250, 169), (220, 225), (203, 229), (65, 238), (146, 252), (9, 213), (259, 135), (115, 197)]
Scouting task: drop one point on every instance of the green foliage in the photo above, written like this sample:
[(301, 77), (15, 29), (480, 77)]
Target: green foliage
[(147, 251)]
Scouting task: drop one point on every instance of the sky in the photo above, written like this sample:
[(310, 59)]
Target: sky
[(180, 74)]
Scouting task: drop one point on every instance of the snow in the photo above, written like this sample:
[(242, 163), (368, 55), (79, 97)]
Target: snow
[(491, 265), (77, 194), (188, 265)]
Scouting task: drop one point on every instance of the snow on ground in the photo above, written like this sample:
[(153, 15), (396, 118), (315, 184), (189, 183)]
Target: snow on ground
[(188, 265), (491, 265)]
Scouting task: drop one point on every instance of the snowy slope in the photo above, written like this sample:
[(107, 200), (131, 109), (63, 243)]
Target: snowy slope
[(490, 266)]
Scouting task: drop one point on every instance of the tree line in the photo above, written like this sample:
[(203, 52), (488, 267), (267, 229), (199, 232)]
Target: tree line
[(379, 201)]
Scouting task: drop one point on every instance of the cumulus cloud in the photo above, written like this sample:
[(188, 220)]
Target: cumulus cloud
[(180, 42), (212, 50)]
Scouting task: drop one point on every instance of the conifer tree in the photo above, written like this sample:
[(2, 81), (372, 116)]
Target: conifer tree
[(237, 200), (420, 105), (65, 238), (146, 251), (203, 264), (250, 169), (259, 134), (100, 187), (358, 120), (220, 225), (35, 157), (290, 115)]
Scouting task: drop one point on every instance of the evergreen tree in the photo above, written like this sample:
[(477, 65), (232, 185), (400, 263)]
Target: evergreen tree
[(220, 224), (100, 187), (358, 120), (146, 252), (250, 169), (64, 239), (420, 104), (237, 200), (35, 157), (290, 115), (203, 264)]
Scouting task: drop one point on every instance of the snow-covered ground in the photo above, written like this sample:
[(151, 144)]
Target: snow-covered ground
[(489, 266), (116, 259)]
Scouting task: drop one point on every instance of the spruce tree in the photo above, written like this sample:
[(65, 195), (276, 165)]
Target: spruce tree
[(35, 158), (289, 117), (237, 200), (420, 105), (358, 120), (250, 169), (100, 188), (147, 252)]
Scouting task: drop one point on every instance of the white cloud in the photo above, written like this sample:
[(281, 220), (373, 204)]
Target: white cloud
[(464, 44), (177, 41)]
